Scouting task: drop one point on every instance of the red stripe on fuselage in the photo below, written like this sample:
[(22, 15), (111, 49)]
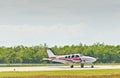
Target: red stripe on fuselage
[(65, 58), (73, 58)]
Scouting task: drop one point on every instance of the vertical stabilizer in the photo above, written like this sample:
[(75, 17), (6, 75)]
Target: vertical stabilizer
[(50, 53)]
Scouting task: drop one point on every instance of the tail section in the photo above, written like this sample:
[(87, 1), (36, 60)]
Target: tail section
[(50, 53)]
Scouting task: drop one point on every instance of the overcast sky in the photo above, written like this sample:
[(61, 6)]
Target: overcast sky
[(59, 22)]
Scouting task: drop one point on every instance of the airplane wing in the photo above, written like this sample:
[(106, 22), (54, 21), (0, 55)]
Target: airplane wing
[(61, 61)]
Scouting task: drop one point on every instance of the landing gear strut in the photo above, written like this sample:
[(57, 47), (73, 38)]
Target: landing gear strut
[(82, 65)]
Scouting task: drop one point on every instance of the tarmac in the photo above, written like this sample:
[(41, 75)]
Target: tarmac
[(53, 68)]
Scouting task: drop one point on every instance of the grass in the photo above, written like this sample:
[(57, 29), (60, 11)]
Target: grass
[(115, 73)]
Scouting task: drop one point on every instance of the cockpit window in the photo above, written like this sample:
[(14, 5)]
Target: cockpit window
[(77, 55)]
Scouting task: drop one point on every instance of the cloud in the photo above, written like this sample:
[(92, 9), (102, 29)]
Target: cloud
[(60, 20), (60, 28), (57, 34), (61, 31), (58, 11), (56, 7), (34, 34)]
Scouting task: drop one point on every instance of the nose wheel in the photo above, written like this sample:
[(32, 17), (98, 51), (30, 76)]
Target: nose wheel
[(71, 66)]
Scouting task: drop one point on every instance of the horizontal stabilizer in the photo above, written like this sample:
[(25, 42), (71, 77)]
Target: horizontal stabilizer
[(46, 59)]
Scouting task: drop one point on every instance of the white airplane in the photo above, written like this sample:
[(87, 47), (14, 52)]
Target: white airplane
[(70, 59)]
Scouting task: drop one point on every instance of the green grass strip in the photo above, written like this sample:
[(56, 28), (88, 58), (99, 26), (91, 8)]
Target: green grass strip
[(60, 73)]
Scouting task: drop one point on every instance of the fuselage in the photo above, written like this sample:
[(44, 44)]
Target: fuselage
[(74, 58), (71, 59)]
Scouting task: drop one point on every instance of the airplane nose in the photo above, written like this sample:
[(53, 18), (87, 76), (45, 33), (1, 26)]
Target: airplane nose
[(94, 59)]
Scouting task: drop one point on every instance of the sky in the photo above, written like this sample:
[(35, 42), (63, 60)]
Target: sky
[(59, 22)]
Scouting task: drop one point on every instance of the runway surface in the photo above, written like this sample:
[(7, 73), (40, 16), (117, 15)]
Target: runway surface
[(52, 68)]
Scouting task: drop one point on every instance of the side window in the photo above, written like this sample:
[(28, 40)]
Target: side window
[(72, 56), (68, 56), (65, 56)]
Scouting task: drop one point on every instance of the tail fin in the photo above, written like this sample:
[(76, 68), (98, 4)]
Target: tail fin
[(50, 53)]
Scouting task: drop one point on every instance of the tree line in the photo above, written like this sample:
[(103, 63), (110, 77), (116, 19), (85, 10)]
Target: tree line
[(35, 54)]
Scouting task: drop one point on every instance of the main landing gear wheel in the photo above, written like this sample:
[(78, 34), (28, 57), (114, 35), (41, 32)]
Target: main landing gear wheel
[(82, 65), (92, 66), (71, 66)]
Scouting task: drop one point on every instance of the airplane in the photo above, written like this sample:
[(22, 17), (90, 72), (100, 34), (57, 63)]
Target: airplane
[(70, 59)]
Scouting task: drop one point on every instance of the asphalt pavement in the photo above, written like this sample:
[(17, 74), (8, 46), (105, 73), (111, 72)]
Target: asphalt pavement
[(53, 68)]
